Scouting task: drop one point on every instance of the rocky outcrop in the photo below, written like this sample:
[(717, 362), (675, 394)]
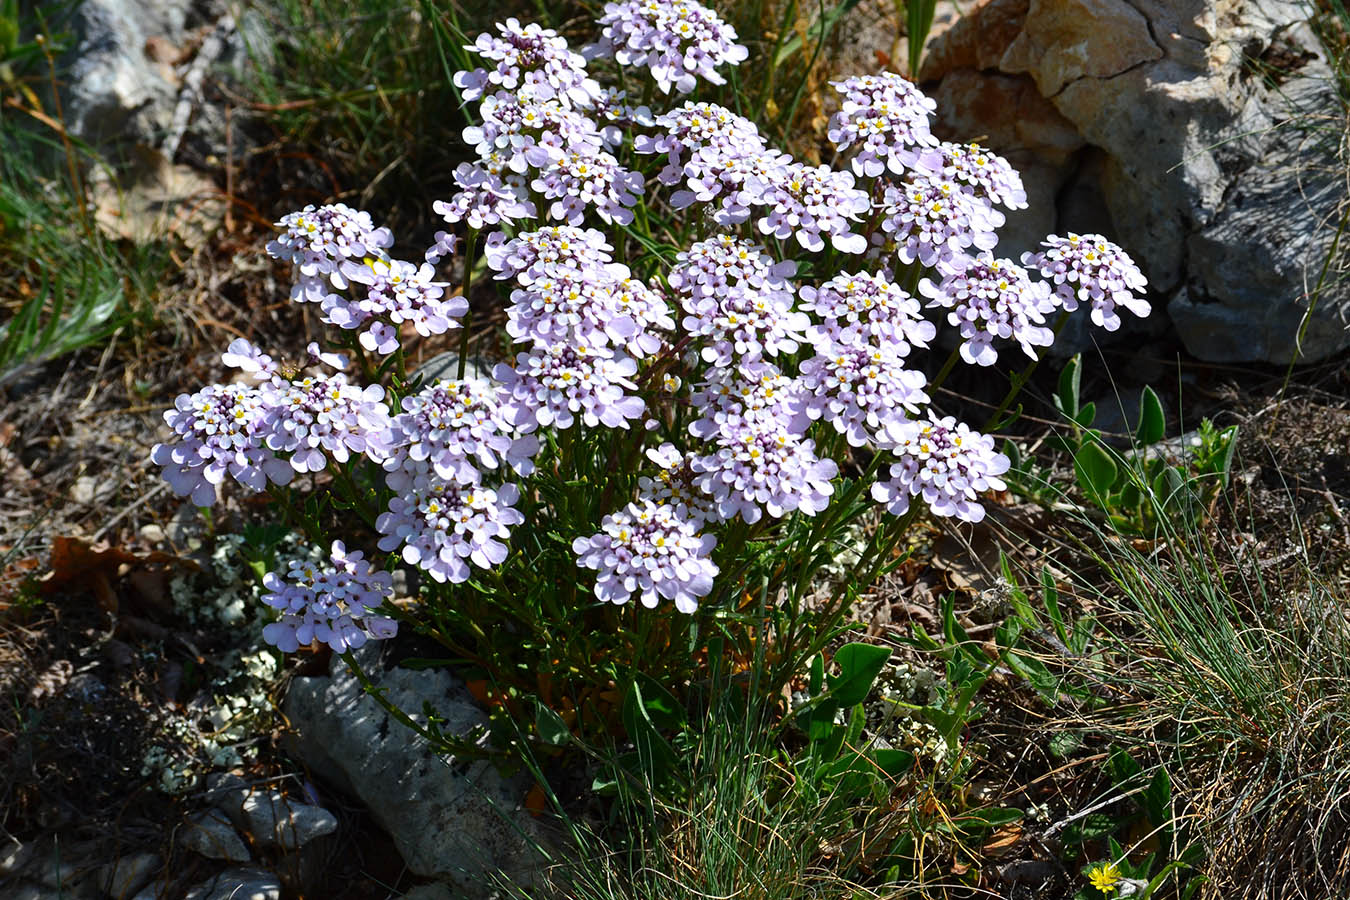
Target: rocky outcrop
[(460, 821), (1184, 129)]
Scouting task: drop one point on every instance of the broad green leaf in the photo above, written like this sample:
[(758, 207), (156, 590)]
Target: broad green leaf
[(1050, 594), (1096, 470), (859, 665), (992, 817), (893, 762), (664, 710), (1152, 422), (551, 727)]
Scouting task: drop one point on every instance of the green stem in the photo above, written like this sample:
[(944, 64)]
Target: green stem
[(469, 241), (1020, 380)]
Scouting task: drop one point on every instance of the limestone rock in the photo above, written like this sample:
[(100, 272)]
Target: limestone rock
[(1144, 120), (1062, 41), (450, 819), (116, 89)]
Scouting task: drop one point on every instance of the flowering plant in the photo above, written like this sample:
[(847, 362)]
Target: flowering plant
[(677, 417)]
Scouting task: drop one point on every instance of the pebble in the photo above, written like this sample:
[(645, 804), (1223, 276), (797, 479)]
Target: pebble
[(211, 835), (238, 884), (274, 819), (128, 875)]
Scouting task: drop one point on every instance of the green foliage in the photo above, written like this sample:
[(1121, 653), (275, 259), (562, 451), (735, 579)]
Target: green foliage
[(918, 22), (68, 284), (1140, 491), (367, 85)]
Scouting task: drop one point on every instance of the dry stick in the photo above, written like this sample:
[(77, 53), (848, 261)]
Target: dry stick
[(134, 505), (191, 94)]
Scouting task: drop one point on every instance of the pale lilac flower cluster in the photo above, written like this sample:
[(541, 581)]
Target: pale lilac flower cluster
[(335, 604), (536, 254), (861, 390), (810, 203), (673, 485), (589, 179), (218, 433), (649, 550), (866, 308), (533, 61), (529, 133), (396, 292), (710, 267), (317, 241), (316, 419), (595, 307), (751, 379), (993, 298), (764, 466), (240, 429), (484, 199), (694, 127), (678, 40), (990, 175), (456, 430), (442, 526), (885, 117), (935, 222), (551, 385), (1089, 268), (752, 393), (943, 462)]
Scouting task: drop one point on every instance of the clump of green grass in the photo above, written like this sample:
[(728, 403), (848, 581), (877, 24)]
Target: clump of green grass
[(68, 285), (1237, 670), (365, 88)]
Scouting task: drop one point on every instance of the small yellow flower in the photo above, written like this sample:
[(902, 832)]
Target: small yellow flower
[(1104, 876)]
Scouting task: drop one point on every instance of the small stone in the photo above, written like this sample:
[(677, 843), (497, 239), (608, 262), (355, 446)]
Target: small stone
[(273, 819), (152, 533), (238, 884), (26, 890), (14, 856), (128, 875), (85, 489), (211, 835)]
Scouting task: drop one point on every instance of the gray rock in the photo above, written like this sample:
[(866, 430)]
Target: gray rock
[(457, 820), (14, 856), (211, 834), (120, 87), (26, 890), (238, 884), (446, 365), (273, 819), (1145, 121), (126, 876), (62, 868)]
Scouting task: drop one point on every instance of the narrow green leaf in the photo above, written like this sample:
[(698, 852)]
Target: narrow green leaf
[(919, 21), (1070, 381)]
